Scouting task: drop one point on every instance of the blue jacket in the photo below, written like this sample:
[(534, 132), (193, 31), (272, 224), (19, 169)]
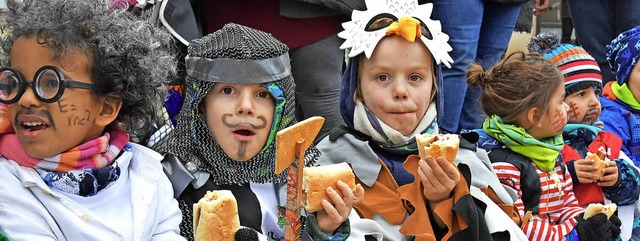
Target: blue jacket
[(624, 121)]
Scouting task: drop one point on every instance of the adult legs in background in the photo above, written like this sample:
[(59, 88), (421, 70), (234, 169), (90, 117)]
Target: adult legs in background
[(567, 24), (594, 22), (479, 31), (317, 71), (461, 20), (627, 14), (497, 27)]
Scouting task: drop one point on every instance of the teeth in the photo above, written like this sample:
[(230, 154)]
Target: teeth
[(32, 123)]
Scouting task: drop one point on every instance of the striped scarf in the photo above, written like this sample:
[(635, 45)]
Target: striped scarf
[(99, 152), (542, 152)]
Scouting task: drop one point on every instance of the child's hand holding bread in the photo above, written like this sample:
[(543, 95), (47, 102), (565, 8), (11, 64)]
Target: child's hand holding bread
[(437, 170)]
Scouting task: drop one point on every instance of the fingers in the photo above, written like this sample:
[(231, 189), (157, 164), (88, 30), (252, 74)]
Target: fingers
[(333, 215), (438, 177), (441, 169), (359, 195), (585, 170), (341, 204), (610, 176)]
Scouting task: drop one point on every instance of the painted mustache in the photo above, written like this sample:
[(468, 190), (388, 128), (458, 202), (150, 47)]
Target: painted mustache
[(41, 113), (227, 120)]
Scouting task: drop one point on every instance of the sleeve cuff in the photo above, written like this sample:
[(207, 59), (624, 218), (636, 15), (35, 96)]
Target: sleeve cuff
[(312, 229)]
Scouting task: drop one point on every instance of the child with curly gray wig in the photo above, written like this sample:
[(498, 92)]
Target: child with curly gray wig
[(75, 81)]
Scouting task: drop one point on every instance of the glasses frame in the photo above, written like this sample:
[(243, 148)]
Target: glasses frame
[(64, 83)]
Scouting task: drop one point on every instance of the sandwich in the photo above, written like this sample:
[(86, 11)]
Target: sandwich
[(600, 161), (597, 208), (316, 180), (215, 217), (438, 145)]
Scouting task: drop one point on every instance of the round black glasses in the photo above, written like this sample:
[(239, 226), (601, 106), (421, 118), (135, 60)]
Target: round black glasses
[(48, 84)]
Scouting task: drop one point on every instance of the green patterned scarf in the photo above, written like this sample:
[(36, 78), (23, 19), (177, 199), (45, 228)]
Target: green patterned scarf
[(623, 93), (542, 152)]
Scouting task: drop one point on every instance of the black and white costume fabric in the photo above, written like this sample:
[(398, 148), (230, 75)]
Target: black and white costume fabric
[(239, 55)]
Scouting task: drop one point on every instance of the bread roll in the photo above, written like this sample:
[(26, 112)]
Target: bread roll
[(315, 181), (215, 217), (596, 208), (440, 145), (600, 161)]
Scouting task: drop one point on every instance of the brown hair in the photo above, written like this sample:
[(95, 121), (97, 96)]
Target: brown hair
[(515, 84), (384, 22)]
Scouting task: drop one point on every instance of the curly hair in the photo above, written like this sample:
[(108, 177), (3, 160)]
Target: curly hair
[(130, 59), (515, 84)]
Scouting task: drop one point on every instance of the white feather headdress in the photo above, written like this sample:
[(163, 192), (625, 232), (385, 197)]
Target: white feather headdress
[(359, 40)]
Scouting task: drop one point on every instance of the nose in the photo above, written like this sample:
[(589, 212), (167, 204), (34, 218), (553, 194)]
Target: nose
[(400, 92), (245, 105), (29, 98), (594, 101)]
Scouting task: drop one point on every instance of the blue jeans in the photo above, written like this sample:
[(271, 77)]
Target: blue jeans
[(479, 31), (597, 22)]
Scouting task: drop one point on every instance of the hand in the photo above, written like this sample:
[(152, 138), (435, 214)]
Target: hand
[(540, 6), (248, 234), (585, 170), (615, 226), (610, 175), (596, 228), (332, 216), (438, 177)]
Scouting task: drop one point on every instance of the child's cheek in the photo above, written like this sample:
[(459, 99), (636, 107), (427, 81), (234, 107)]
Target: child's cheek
[(574, 110)]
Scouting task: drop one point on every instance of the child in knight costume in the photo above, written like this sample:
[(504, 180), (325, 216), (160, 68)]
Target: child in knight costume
[(389, 95), (240, 93), (75, 80)]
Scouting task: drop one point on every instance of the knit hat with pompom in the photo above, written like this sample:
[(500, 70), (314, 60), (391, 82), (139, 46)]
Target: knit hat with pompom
[(580, 70)]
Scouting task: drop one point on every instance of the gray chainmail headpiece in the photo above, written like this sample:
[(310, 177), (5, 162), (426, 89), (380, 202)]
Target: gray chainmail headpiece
[(233, 54)]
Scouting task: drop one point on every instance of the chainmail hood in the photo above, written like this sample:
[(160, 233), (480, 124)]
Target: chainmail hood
[(241, 55)]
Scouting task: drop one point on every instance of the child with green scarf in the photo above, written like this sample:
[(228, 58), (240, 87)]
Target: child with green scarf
[(617, 183), (522, 96)]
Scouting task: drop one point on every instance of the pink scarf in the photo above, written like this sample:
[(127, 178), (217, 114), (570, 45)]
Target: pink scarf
[(96, 153)]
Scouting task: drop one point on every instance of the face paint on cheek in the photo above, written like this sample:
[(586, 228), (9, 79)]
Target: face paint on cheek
[(574, 110), (561, 120), (79, 119), (64, 108)]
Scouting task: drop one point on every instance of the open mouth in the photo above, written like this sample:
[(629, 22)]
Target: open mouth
[(34, 125), (244, 132)]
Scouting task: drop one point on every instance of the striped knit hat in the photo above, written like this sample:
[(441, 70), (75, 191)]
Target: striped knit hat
[(580, 70)]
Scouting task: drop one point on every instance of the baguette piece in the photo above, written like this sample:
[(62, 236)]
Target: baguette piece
[(215, 217), (440, 145), (600, 161), (596, 208), (316, 180)]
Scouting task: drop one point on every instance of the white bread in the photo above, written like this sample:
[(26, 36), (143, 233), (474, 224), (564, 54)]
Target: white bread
[(215, 217), (315, 181), (600, 161), (596, 208), (440, 145)]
